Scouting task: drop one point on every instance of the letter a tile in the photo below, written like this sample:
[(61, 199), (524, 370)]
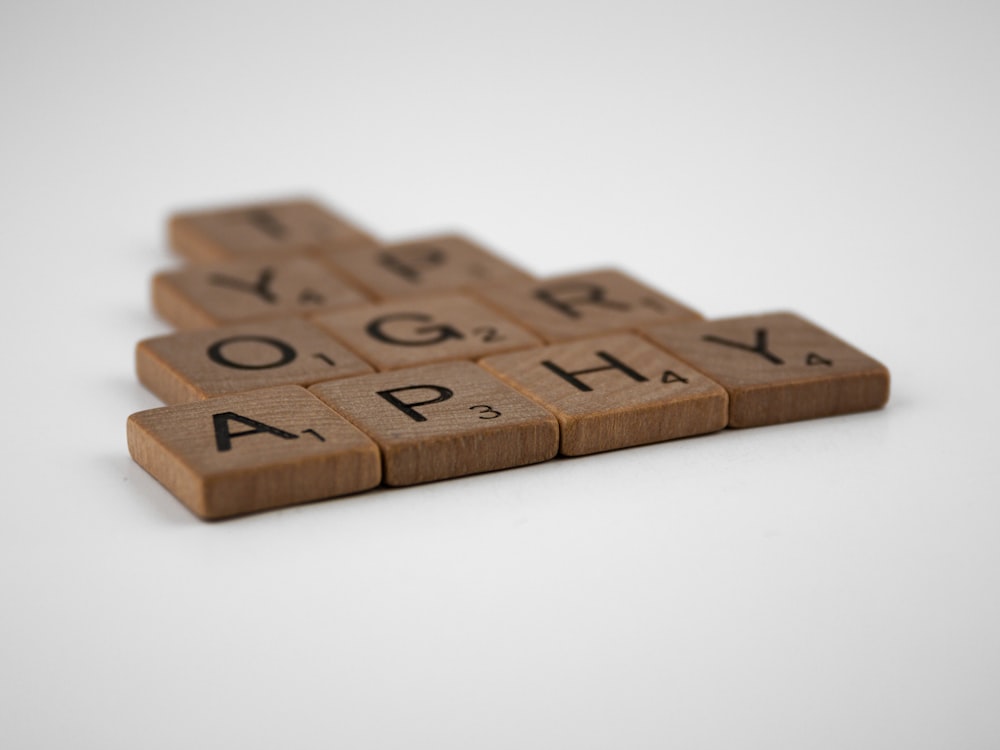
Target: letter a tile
[(778, 367), (445, 420), (253, 451), (614, 392)]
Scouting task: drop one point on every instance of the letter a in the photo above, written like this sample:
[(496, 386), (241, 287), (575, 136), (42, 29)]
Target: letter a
[(223, 437)]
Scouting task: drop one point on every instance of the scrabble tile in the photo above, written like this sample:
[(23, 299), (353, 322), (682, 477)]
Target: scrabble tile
[(422, 330), (253, 451), (432, 264), (583, 304), (445, 420), (261, 229), (778, 367), (614, 392), (236, 291), (194, 365)]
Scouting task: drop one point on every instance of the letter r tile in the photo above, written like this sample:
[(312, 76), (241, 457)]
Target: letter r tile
[(253, 451), (614, 392), (778, 367), (581, 305), (445, 420)]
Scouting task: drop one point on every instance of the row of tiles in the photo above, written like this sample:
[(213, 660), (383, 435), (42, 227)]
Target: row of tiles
[(297, 257), (555, 309), (268, 448), (288, 294)]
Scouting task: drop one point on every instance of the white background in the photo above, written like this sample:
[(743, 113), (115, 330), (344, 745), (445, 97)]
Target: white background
[(826, 584)]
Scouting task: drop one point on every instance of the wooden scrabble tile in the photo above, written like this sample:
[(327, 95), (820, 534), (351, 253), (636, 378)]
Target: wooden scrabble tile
[(432, 264), (236, 291), (261, 229), (445, 420), (778, 367), (253, 451), (194, 365), (614, 392), (583, 304), (421, 330)]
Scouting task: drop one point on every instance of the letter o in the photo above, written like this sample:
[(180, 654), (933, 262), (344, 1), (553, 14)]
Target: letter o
[(285, 352)]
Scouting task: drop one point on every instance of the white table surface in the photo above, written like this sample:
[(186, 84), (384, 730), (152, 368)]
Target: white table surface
[(825, 584)]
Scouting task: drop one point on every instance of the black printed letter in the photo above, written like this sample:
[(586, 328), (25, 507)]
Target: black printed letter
[(266, 222), (566, 297), (261, 288), (613, 364), (443, 394), (439, 332), (223, 437), (759, 347), (215, 353), (407, 262)]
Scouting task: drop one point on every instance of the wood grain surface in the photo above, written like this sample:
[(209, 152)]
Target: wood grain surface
[(614, 392), (214, 294), (269, 229), (441, 263), (778, 367), (444, 420), (195, 365), (253, 451), (421, 330), (585, 304)]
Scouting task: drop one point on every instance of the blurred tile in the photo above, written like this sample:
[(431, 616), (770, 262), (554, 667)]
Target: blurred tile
[(583, 304), (236, 291), (268, 229), (433, 264)]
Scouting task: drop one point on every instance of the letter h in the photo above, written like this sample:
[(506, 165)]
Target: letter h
[(613, 364)]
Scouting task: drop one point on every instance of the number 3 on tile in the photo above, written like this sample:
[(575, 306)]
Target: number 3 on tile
[(486, 412)]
